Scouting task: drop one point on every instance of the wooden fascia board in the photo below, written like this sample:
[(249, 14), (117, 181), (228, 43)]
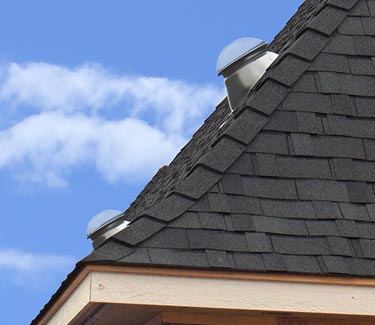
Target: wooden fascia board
[(274, 277), (106, 272), (184, 318), (209, 319)]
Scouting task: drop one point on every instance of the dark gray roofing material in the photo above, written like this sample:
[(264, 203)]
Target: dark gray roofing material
[(287, 184)]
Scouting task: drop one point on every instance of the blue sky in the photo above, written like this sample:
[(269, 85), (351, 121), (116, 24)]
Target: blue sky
[(95, 96)]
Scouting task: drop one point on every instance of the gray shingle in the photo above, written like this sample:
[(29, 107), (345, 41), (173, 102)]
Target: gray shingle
[(362, 267), (218, 203), (366, 230), (178, 257), (364, 45), (336, 146), (269, 142), (356, 248), (201, 205), (360, 192), (326, 210), (139, 230), (368, 248), (360, 9), (339, 125), (343, 169), (283, 121), (365, 171), (288, 209), (361, 65), (212, 221), (371, 5), (335, 264), (344, 4), (251, 262), (274, 262), (330, 62), (371, 211), (247, 126), (309, 45), (303, 264), (187, 220), (300, 245), (307, 122), (170, 208), (343, 104), (228, 222), (242, 222), (243, 165), (112, 251), (219, 259), (347, 228), (306, 83), (217, 240), (357, 85), (168, 238), (368, 26), (258, 242), (282, 226), (328, 20), (198, 182), (365, 106), (323, 190), (222, 155), (340, 246), (268, 97), (231, 184), (289, 70), (140, 256), (308, 102), (322, 228), (351, 26), (243, 204), (269, 188), (265, 165), (341, 44), (292, 167), (354, 211), (303, 144)]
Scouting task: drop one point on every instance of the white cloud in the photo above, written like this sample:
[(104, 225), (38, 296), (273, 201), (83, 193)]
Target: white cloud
[(23, 262), (127, 127)]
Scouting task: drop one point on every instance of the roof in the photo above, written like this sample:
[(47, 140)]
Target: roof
[(287, 184)]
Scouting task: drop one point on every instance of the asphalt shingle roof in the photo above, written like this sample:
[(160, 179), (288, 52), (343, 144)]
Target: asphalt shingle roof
[(287, 184)]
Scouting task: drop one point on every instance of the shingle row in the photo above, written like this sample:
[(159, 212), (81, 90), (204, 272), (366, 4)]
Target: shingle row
[(337, 222), (258, 261), (351, 45)]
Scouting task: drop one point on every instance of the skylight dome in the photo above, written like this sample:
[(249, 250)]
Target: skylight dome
[(236, 50), (102, 219)]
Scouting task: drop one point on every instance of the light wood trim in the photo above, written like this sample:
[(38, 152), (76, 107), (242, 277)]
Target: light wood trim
[(231, 294), (65, 295), (307, 279), (273, 277)]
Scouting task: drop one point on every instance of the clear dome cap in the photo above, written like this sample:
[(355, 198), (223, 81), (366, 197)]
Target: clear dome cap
[(101, 219), (236, 50)]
